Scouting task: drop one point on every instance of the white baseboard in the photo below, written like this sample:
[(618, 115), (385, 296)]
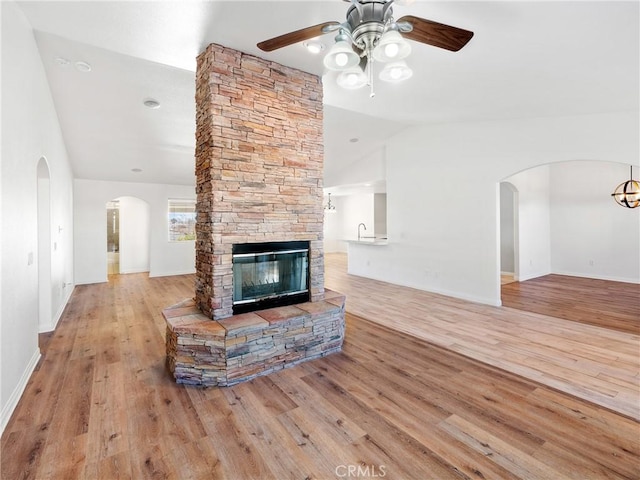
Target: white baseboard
[(12, 403), (170, 274), (91, 281), (598, 277), (127, 272), (54, 321), (494, 302)]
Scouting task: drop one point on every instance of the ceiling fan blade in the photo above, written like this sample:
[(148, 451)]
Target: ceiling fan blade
[(295, 37), (436, 34)]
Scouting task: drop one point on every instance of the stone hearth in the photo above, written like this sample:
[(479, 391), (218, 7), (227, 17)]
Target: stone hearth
[(201, 351), (259, 169)]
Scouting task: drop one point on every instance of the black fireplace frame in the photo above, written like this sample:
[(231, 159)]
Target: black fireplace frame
[(273, 248)]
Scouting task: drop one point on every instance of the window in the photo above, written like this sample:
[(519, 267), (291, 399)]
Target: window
[(182, 220)]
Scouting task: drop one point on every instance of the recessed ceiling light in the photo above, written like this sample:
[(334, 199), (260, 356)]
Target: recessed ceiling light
[(63, 62), (354, 140), (151, 103), (314, 46), (83, 67), (136, 170)]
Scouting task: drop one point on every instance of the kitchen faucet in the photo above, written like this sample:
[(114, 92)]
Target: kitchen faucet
[(361, 225)]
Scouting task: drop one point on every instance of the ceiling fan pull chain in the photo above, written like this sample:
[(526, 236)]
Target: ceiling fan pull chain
[(370, 72)]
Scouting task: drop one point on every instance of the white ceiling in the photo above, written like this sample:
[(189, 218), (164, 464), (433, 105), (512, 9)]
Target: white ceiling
[(526, 59)]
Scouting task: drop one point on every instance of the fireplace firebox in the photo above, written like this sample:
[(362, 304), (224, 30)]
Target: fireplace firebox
[(270, 274)]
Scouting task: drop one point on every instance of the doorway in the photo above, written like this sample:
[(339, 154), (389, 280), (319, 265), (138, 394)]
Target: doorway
[(113, 237), (128, 235), (44, 247), (508, 233)]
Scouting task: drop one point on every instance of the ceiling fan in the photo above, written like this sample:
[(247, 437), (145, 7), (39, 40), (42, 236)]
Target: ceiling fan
[(371, 33)]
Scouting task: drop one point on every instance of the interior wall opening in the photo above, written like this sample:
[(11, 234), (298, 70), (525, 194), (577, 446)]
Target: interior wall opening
[(568, 224), (508, 233), (128, 235), (113, 237), (45, 314)]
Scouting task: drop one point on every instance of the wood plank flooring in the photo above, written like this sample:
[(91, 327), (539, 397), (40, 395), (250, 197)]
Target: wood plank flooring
[(598, 364), (614, 305), (102, 405)]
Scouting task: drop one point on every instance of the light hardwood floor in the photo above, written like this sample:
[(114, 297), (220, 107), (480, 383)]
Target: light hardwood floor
[(594, 363), (102, 405), (614, 305)]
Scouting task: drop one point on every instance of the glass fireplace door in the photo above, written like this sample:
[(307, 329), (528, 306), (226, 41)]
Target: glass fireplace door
[(273, 275)]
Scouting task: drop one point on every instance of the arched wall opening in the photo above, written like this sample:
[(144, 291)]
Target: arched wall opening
[(569, 224)]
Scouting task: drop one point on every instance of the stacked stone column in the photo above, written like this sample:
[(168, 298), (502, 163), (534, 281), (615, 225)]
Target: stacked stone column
[(259, 167)]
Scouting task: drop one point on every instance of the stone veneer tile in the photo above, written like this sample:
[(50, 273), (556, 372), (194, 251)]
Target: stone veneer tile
[(207, 327), (338, 301), (185, 322), (331, 294), (181, 310), (201, 351), (318, 307), (279, 314), (242, 323)]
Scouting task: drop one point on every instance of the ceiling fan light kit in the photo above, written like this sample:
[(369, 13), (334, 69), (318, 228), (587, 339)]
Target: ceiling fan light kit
[(370, 34)]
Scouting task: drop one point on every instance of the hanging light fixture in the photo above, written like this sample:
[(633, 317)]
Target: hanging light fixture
[(371, 31), (627, 194), (329, 207)]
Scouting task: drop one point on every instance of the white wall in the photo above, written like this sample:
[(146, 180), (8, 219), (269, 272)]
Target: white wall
[(443, 193), (508, 197), (90, 198), (30, 130), (380, 214), (534, 248), (333, 227), (591, 235), (368, 169), (351, 210), (134, 235)]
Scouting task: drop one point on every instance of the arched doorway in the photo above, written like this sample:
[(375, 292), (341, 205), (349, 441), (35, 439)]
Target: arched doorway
[(44, 246), (578, 232)]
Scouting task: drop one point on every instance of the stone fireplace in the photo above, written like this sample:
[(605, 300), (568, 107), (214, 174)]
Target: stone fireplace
[(259, 167)]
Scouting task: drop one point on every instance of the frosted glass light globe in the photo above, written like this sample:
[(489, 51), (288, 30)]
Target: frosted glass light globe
[(391, 50), (341, 59)]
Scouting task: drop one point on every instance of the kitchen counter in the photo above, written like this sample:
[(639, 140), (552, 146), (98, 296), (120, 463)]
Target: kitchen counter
[(369, 241)]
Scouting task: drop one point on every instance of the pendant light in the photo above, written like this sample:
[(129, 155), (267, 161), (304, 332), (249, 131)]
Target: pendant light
[(329, 207), (627, 194)]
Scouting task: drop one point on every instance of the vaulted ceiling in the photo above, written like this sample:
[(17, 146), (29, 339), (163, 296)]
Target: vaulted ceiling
[(526, 59)]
